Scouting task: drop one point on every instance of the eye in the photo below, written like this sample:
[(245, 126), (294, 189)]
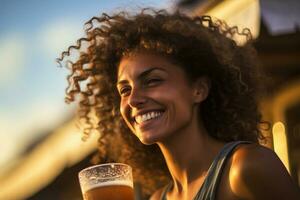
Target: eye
[(153, 81), (124, 91)]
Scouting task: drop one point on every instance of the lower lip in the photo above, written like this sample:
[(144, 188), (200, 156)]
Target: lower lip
[(149, 123)]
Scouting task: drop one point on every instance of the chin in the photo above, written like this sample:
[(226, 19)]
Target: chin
[(147, 143), (147, 138)]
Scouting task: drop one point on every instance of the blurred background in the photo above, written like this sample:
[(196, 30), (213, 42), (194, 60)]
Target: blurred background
[(41, 150)]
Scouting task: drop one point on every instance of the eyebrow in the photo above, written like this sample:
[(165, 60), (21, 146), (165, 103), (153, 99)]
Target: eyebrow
[(143, 74)]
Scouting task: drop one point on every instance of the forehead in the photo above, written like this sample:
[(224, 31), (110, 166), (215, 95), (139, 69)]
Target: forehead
[(136, 64)]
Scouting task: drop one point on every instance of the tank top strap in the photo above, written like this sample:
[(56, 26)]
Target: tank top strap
[(209, 187), (211, 182), (165, 190)]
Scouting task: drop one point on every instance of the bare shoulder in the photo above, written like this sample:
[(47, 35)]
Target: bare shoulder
[(256, 172), (157, 194)]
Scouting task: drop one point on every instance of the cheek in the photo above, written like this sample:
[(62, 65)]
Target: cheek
[(123, 110)]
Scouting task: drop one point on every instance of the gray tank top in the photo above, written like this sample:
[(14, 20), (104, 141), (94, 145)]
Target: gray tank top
[(209, 187)]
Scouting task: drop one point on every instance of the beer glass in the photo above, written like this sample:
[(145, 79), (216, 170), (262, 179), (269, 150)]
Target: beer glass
[(110, 181)]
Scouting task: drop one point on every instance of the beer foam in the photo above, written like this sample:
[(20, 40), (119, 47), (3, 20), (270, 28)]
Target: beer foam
[(108, 183)]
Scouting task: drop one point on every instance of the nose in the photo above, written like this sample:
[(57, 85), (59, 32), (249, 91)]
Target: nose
[(137, 98)]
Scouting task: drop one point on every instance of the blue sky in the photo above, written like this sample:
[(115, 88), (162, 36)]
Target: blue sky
[(32, 34)]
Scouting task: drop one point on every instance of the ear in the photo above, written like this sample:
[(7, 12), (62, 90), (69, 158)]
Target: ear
[(201, 89)]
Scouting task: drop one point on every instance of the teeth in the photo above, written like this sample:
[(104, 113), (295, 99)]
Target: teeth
[(150, 115)]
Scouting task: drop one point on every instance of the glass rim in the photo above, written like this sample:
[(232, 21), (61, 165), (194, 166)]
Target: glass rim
[(100, 165)]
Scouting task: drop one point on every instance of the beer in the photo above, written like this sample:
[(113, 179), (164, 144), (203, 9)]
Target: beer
[(113, 191), (111, 181)]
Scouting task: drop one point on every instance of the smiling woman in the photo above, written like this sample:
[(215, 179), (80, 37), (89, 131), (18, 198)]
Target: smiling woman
[(176, 98)]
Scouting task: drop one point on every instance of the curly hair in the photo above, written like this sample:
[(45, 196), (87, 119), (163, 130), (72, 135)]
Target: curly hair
[(201, 45)]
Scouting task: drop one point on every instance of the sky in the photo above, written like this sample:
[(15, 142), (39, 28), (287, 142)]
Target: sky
[(281, 16), (32, 35)]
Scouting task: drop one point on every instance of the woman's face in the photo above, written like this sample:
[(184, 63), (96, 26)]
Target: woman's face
[(156, 98)]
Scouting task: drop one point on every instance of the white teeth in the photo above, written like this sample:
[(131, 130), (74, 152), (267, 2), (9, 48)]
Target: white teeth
[(147, 116), (152, 115)]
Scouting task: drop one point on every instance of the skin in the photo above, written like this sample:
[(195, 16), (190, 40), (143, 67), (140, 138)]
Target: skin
[(149, 82)]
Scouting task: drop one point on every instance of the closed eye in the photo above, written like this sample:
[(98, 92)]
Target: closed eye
[(153, 81)]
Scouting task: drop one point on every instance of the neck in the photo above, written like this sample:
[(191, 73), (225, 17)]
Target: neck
[(188, 155)]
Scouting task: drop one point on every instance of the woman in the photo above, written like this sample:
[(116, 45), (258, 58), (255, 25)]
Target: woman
[(188, 93)]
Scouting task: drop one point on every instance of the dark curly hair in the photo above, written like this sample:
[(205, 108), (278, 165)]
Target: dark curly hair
[(203, 46)]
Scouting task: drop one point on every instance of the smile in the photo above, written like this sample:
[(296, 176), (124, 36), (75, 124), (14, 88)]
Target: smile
[(147, 116)]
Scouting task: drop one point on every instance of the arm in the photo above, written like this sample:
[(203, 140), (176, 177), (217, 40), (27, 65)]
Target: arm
[(257, 173)]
